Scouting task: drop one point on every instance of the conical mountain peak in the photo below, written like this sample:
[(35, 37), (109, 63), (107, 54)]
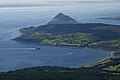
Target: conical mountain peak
[(62, 19)]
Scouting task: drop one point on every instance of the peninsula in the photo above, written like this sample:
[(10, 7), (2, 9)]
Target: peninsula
[(111, 18), (65, 31)]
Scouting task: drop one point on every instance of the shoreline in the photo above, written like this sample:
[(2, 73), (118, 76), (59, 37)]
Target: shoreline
[(71, 47)]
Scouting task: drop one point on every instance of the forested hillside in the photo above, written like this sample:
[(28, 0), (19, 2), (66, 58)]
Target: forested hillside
[(108, 69)]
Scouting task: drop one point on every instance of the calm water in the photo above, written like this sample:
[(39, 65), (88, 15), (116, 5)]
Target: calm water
[(15, 55)]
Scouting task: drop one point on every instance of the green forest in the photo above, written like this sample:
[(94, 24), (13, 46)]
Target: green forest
[(108, 69)]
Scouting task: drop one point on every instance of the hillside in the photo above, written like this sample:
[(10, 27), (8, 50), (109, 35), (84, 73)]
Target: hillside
[(105, 70), (83, 28), (77, 35), (110, 65)]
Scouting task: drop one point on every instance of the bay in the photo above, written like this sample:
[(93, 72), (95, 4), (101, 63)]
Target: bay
[(16, 55)]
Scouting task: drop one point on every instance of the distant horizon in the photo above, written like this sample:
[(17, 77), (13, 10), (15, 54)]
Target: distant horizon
[(13, 2), (51, 3)]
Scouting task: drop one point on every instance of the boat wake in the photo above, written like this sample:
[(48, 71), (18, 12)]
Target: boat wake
[(17, 48), (69, 53)]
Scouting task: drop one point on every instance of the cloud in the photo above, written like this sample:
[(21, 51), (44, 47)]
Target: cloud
[(39, 1), (19, 1)]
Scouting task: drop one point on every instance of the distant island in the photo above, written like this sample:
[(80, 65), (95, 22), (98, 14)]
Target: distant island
[(111, 18), (63, 30)]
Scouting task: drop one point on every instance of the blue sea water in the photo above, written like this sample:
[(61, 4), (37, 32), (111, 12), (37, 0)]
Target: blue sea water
[(16, 55)]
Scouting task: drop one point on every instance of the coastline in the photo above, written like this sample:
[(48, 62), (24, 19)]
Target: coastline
[(26, 32), (61, 46)]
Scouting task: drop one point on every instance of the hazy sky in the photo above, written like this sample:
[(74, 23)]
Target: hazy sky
[(39, 1)]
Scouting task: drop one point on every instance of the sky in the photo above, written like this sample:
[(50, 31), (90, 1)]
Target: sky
[(5, 2)]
